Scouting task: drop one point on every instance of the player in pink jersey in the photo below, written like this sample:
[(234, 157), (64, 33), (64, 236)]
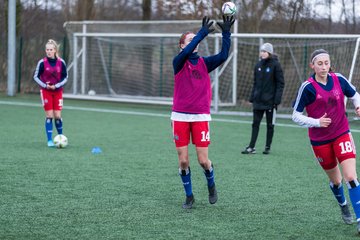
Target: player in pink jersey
[(191, 103), (322, 96), (51, 76)]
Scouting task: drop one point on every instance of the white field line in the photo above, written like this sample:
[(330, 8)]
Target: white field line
[(137, 113)]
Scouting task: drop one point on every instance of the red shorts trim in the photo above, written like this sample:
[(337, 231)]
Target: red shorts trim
[(51, 100), (199, 132), (330, 154)]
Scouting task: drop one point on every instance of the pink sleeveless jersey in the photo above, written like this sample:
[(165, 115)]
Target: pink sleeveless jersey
[(332, 103), (51, 74), (192, 90)]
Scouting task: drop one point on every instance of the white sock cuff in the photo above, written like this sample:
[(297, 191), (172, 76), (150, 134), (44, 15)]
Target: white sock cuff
[(332, 185), (352, 184), (187, 171)]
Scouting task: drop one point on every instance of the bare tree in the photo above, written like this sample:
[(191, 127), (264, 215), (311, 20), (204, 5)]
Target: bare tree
[(160, 8), (66, 9), (354, 17), (296, 7), (253, 13), (344, 15), (85, 10), (330, 2), (146, 7), (147, 49)]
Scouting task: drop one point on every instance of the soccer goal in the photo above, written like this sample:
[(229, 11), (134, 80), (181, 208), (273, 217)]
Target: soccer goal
[(132, 62)]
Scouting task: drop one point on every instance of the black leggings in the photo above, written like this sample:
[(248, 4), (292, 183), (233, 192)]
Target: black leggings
[(257, 117)]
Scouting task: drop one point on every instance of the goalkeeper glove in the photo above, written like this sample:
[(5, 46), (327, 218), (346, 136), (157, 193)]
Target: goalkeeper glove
[(206, 24), (227, 23)]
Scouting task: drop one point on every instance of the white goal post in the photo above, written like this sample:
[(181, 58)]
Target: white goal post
[(112, 63)]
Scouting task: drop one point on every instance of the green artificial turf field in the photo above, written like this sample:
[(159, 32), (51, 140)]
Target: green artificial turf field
[(132, 189)]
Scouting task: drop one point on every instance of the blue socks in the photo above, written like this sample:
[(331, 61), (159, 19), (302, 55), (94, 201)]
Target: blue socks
[(354, 193), (338, 193), (186, 179), (48, 128), (209, 174), (59, 125)]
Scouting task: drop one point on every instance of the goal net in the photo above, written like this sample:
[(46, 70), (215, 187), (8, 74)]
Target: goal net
[(132, 62)]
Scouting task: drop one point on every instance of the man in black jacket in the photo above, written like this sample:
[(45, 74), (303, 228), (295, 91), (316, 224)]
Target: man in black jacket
[(266, 95)]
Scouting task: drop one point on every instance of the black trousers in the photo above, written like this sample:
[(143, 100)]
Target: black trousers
[(257, 117)]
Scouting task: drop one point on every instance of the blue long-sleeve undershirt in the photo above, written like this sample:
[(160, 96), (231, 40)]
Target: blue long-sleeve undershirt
[(211, 62)]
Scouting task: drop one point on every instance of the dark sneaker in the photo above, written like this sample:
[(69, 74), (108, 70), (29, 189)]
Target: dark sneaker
[(249, 150), (358, 227), (189, 201), (212, 195), (267, 150), (346, 215)]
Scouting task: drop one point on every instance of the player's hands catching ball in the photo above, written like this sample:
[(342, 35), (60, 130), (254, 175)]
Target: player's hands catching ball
[(325, 121), (228, 21), (206, 24)]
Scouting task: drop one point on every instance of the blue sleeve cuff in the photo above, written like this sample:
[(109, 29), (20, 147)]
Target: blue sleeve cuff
[(226, 34), (203, 32)]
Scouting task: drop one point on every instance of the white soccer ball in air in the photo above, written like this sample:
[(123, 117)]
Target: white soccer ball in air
[(228, 8), (60, 141)]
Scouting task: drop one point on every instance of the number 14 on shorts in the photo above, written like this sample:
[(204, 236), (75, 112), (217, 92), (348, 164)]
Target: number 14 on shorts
[(205, 136)]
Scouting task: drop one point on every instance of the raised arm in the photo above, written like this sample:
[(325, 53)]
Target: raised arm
[(214, 61), (179, 60)]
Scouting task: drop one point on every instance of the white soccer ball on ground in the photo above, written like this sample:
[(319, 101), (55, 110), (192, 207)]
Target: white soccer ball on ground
[(228, 8), (92, 92), (60, 141)]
